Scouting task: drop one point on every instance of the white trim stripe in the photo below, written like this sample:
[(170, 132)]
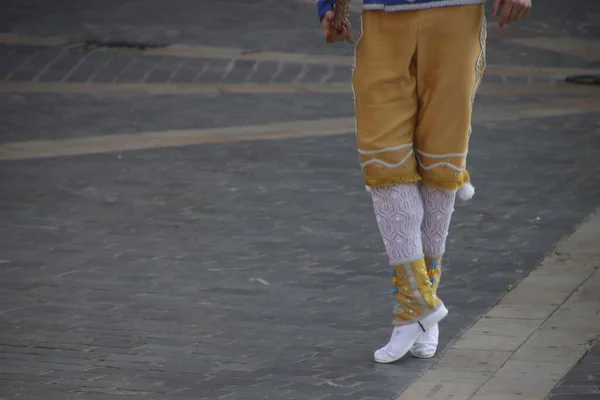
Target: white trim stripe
[(420, 6), (401, 147), (440, 164), (377, 161), (451, 155)]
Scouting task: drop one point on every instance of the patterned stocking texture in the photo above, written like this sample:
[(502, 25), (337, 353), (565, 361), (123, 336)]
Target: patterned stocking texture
[(399, 212), (438, 206)]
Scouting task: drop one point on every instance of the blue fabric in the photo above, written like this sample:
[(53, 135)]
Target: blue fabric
[(323, 6), (400, 5), (396, 5)]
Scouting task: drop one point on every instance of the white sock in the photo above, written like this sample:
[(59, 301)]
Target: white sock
[(399, 212), (438, 205)]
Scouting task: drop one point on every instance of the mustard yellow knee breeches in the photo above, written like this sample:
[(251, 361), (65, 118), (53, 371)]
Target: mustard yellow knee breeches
[(415, 78)]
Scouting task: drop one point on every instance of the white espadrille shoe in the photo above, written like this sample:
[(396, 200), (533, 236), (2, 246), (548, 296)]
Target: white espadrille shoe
[(404, 337), (427, 344)]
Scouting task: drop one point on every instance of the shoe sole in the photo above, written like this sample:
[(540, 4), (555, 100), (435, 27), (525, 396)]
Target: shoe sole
[(380, 361), (443, 315), (423, 355)]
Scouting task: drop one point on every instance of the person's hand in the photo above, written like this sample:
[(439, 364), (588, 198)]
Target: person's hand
[(513, 10), (331, 33)]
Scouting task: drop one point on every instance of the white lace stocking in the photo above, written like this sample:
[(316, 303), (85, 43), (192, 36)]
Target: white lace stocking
[(399, 212), (439, 206)]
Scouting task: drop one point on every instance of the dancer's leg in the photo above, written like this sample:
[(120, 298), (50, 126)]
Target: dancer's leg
[(399, 211), (438, 206), (448, 76), (386, 107)]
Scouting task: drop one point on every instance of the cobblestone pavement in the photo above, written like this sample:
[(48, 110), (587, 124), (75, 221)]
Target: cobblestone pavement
[(247, 269)]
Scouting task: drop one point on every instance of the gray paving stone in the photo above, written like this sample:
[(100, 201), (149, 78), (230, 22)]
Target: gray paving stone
[(15, 58), (240, 71), (134, 72), (135, 274), (583, 381), (43, 58), (289, 73), (84, 115), (186, 74), (299, 36), (212, 321), (213, 71), (265, 71), (158, 75), (272, 25), (110, 70), (315, 73), (88, 65), (341, 74)]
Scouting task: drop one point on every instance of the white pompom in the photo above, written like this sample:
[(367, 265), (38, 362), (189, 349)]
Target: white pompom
[(368, 189), (466, 192)]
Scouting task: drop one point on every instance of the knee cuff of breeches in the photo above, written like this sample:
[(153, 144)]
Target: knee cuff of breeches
[(445, 178)]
